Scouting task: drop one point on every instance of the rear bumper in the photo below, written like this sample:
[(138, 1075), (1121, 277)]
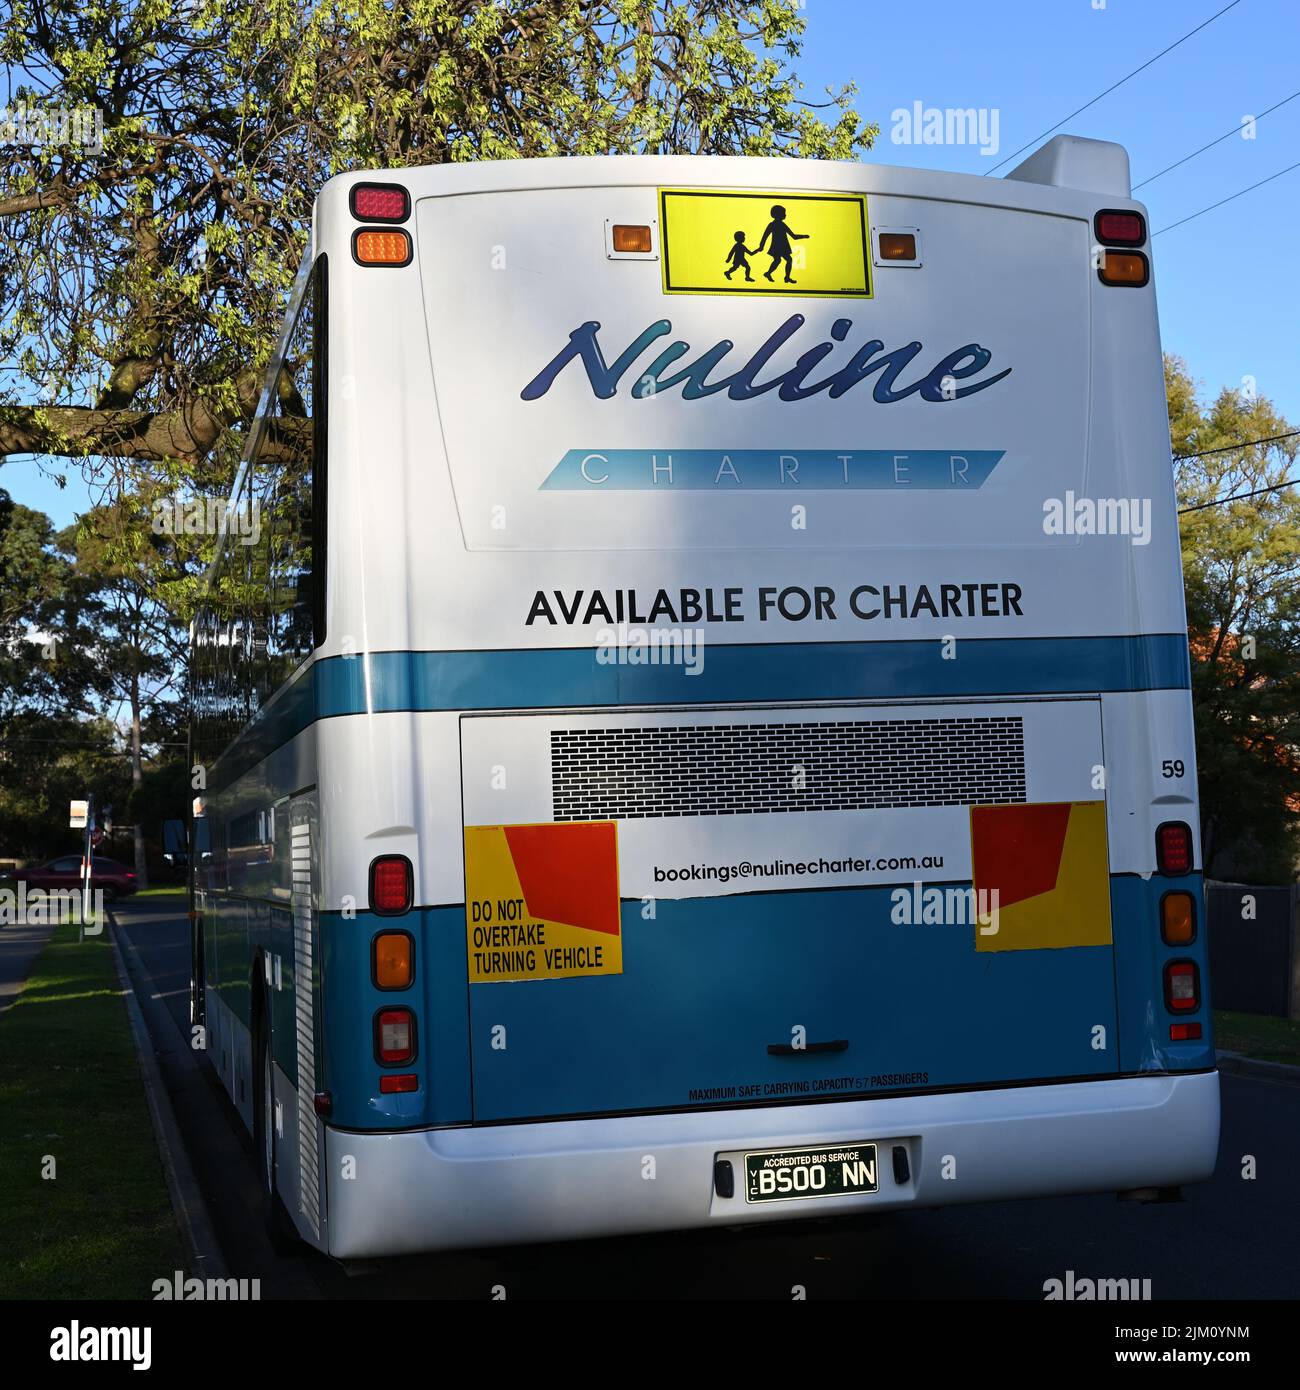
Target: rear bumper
[(448, 1188)]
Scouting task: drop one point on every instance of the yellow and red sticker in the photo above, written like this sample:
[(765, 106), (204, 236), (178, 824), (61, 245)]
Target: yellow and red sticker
[(1048, 866), (541, 901)]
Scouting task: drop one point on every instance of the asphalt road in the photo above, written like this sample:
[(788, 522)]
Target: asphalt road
[(1231, 1238), (19, 947)]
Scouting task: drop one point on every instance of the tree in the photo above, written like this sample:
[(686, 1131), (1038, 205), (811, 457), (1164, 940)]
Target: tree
[(139, 637), (143, 282), (1241, 567), (54, 746)]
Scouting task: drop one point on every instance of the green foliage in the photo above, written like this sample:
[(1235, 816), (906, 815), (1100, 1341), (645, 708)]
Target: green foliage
[(1241, 568), (163, 794), (52, 748), (141, 285)]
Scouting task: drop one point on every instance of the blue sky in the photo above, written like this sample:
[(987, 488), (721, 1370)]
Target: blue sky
[(1227, 282)]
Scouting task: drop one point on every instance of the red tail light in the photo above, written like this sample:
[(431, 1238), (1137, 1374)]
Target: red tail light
[(1174, 848), (1182, 987), (1184, 1032), (380, 202), (1120, 228), (395, 1036), (130, 875), (391, 884)]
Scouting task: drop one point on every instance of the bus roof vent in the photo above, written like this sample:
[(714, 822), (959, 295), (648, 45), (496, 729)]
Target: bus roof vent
[(1070, 161)]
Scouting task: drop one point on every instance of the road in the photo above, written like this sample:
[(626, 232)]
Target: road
[(19, 947), (1232, 1238)]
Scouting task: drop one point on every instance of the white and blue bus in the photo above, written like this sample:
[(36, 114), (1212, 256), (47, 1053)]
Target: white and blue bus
[(701, 732)]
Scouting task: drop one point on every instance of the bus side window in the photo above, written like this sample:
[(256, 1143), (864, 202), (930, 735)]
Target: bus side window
[(281, 857), (288, 484)]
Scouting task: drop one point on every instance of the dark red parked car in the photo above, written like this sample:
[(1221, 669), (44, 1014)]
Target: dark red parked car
[(107, 875)]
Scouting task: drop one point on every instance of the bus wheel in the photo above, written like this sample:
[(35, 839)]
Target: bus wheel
[(279, 1228)]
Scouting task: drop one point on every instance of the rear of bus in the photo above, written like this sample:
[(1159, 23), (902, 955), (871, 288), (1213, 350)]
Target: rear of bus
[(755, 617)]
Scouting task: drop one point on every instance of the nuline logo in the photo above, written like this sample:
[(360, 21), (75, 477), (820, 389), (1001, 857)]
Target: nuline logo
[(938, 384)]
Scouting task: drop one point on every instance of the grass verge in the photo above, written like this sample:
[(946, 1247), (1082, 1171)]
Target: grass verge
[(72, 1104), (1259, 1036)]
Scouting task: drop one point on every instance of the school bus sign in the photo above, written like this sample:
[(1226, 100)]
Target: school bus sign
[(714, 242)]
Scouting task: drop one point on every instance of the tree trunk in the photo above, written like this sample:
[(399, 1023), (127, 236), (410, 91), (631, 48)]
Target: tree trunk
[(137, 776)]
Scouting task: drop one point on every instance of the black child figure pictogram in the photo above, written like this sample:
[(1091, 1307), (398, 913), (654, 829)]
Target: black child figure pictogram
[(780, 249), (736, 258)]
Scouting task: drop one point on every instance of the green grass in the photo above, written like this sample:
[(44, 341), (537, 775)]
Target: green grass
[(168, 890), (1258, 1035), (70, 1088)]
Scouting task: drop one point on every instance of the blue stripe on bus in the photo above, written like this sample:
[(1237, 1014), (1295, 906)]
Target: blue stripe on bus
[(385, 682), (710, 981)]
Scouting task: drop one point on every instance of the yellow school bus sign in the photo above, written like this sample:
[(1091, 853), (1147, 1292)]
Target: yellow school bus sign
[(755, 242)]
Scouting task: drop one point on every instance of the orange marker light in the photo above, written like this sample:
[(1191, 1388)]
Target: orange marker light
[(1124, 268), (897, 246), (631, 238), (1177, 919), (371, 247), (392, 960)]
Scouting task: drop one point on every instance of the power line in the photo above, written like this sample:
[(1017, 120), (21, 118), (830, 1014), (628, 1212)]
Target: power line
[(1237, 496), (1228, 199), (1242, 444), (1113, 86), (1234, 131)]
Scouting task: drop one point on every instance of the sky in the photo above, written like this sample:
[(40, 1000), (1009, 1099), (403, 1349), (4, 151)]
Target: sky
[(1226, 282)]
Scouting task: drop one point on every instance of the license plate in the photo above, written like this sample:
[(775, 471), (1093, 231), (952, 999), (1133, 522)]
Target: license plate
[(789, 1175)]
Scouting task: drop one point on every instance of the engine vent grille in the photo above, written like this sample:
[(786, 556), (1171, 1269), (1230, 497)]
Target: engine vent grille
[(747, 769)]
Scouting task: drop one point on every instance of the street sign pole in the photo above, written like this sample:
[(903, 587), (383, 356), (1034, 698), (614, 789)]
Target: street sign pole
[(85, 866)]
